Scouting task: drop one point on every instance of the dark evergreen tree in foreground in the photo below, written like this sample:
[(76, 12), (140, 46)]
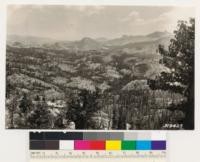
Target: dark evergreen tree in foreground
[(39, 118), (179, 58), (25, 104), (82, 107)]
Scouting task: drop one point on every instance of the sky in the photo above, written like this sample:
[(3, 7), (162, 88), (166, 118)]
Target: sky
[(63, 22)]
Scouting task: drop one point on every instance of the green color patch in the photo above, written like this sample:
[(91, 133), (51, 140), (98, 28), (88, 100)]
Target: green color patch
[(128, 145)]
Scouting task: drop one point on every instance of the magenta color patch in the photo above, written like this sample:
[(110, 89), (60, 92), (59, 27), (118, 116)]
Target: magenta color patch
[(82, 145)]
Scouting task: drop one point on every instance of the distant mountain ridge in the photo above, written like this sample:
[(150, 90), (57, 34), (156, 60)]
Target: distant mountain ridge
[(29, 41), (86, 43), (158, 34)]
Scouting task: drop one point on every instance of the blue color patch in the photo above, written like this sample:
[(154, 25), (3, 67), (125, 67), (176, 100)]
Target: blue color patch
[(143, 145)]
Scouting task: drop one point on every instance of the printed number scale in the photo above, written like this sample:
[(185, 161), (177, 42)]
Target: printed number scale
[(96, 154)]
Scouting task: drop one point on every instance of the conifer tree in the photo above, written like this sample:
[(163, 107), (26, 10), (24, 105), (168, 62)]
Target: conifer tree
[(179, 58)]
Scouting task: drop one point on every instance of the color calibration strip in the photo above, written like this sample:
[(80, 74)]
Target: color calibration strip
[(97, 141)]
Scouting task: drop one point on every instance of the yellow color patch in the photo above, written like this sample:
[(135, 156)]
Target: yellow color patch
[(113, 145)]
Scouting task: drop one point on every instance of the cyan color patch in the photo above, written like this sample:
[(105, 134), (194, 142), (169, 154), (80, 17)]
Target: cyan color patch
[(143, 145)]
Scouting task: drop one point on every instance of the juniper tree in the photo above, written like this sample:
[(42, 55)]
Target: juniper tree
[(82, 107), (25, 104), (39, 118)]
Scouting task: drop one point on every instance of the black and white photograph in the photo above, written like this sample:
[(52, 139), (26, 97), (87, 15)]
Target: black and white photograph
[(100, 67)]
